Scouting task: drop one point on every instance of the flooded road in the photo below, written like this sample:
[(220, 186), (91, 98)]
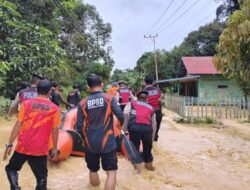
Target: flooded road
[(186, 158)]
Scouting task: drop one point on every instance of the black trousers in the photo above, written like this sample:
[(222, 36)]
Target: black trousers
[(38, 165), (122, 107), (158, 115), (146, 138)]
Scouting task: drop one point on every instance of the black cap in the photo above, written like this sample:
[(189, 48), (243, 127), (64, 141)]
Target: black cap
[(93, 80), (54, 84), (75, 86), (142, 92), (38, 76), (149, 80), (24, 85), (122, 82), (44, 86)]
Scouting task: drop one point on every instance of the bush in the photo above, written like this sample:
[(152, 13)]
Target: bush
[(4, 105)]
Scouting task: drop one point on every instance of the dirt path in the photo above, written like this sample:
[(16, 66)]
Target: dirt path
[(186, 158)]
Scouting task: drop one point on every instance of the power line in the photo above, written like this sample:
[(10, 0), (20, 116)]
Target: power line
[(139, 49), (185, 12), (173, 39), (158, 20), (191, 19), (169, 18)]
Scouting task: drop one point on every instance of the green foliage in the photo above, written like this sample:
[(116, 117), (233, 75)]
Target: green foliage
[(25, 47), (4, 104), (234, 48), (203, 42), (101, 70), (227, 8), (134, 78), (37, 36)]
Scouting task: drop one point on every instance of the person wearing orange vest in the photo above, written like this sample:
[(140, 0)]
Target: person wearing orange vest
[(113, 90), (125, 94), (95, 125), (38, 118), (154, 99), (141, 124)]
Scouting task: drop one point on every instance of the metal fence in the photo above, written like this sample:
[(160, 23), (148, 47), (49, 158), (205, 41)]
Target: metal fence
[(228, 108)]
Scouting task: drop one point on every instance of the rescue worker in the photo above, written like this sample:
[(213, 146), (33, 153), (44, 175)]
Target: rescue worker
[(38, 118), (13, 108), (26, 93), (141, 124), (113, 90), (95, 125), (57, 97), (74, 97), (125, 94), (23, 85), (154, 99)]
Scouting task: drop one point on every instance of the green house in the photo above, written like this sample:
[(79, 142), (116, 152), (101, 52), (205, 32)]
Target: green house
[(198, 77)]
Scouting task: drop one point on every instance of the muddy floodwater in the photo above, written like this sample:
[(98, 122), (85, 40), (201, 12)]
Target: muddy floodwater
[(186, 158)]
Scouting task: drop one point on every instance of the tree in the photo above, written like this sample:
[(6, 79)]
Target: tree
[(25, 47), (60, 38), (203, 41), (101, 70), (134, 78), (233, 50), (227, 8)]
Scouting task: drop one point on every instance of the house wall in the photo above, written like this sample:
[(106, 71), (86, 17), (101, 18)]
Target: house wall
[(208, 87)]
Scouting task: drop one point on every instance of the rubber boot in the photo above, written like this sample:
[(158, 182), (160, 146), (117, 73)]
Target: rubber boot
[(138, 168), (41, 184), (13, 179), (149, 166)]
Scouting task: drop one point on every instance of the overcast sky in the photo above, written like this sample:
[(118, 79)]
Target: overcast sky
[(132, 19)]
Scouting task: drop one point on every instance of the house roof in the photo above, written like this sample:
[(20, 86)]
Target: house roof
[(199, 65), (182, 79)]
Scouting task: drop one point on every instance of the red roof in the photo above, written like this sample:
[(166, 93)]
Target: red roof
[(199, 65)]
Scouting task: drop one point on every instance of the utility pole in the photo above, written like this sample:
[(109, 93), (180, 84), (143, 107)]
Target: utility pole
[(152, 37)]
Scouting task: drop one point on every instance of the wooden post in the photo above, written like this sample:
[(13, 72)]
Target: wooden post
[(215, 108), (202, 102), (212, 108), (240, 107), (234, 105), (230, 107), (192, 105), (248, 108), (244, 108), (220, 108), (198, 107), (206, 106), (226, 106), (184, 106)]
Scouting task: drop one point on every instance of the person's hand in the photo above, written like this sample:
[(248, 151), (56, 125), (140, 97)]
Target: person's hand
[(7, 153), (54, 154)]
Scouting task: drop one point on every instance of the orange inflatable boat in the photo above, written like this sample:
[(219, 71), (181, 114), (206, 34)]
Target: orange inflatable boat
[(70, 142)]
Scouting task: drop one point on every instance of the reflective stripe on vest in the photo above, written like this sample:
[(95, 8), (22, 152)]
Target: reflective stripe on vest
[(142, 112), (124, 95), (27, 93), (154, 95)]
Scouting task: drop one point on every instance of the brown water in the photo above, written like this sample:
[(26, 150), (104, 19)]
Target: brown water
[(186, 158)]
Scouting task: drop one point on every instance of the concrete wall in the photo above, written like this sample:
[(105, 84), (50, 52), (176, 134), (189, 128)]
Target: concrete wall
[(208, 87)]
